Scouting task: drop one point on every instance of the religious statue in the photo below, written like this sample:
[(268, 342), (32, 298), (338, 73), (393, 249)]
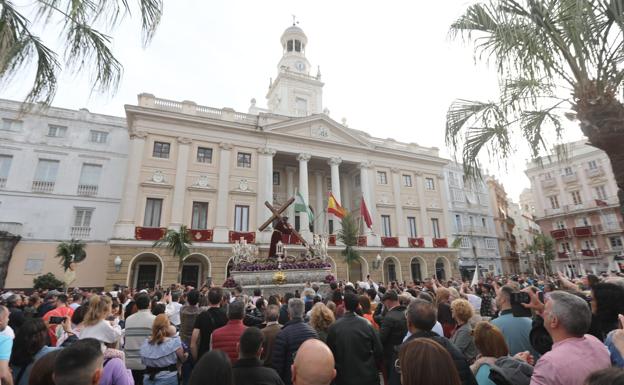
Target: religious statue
[(280, 226)]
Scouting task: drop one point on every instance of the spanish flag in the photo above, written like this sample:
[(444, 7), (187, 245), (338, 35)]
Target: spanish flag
[(333, 207)]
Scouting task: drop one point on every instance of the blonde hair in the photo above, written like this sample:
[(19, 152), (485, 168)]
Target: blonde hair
[(442, 294), (321, 317), (462, 310), (99, 307), (160, 329)]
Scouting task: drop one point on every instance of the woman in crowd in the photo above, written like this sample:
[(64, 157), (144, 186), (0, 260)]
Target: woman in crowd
[(97, 324), (424, 361), (367, 312), (41, 373), (161, 353), (491, 345), (444, 311), (606, 304), (321, 318), (213, 368), (29, 345), (462, 336)]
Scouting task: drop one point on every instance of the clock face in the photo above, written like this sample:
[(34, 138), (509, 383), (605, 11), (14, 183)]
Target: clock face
[(300, 65)]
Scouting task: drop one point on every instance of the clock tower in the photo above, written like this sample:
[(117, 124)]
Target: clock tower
[(294, 92)]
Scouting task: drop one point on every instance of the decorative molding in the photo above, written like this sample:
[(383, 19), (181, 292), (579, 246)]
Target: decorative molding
[(304, 157), (383, 199), (202, 182), (320, 132), (225, 146), (366, 165), (418, 173), (395, 170), (184, 140), (440, 176), (335, 161), (136, 134), (267, 151), (51, 152), (157, 177), (410, 202)]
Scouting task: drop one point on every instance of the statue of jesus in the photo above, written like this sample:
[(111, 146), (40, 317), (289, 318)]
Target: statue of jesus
[(280, 227)]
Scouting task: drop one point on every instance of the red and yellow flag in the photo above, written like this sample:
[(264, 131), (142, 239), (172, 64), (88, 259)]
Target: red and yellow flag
[(333, 207)]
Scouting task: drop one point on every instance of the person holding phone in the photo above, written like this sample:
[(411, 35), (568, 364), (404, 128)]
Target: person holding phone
[(60, 311), (515, 329)]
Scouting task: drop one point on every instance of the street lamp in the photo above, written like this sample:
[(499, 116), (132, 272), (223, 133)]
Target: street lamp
[(377, 262), (117, 263)]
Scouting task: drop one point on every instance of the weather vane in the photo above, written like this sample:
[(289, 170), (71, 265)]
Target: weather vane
[(295, 22)]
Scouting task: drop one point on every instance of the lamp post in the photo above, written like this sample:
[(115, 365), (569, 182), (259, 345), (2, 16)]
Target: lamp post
[(377, 262), (117, 263)]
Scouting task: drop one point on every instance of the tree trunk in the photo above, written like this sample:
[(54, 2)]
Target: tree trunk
[(8, 242)]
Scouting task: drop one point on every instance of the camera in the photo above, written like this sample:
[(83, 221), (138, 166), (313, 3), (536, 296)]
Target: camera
[(56, 320)]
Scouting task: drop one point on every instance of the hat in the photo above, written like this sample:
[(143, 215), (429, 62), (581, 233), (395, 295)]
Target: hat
[(390, 295)]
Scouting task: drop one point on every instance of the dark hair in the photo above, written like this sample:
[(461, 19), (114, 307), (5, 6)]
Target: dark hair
[(79, 314), (131, 308), (257, 292), (421, 314), (333, 285), (142, 301), (214, 365), (272, 313), (30, 338), (42, 369), (77, 297), (337, 297), (372, 293), (609, 304), (351, 301), (350, 289), (236, 310), (250, 342), (215, 294), (260, 303), (274, 300), (192, 297), (76, 364), (365, 303), (159, 308), (424, 361), (62, 298), (288, 296), (609, 376)]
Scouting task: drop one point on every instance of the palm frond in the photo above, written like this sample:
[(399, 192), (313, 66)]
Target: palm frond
[(348, 235), (177, 241), (69, 252)]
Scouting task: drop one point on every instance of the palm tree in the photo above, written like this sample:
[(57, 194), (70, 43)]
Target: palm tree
[(545, 245), (554, 58), (348, 235), (178, 242), (85, 48), (70, 252)]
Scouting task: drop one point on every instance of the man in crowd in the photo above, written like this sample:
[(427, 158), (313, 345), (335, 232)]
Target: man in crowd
[(269, 332), (61, 310), (283, 316), (138, 328), (288, 340), (6, 345), (226, 337), (314, 364), (207, 321), (173, 308), (355, 346), (16, 316), (393, 329), (516, 330), (188, 315), (421, 318), (79, 364), (574, 354), (248, 370)]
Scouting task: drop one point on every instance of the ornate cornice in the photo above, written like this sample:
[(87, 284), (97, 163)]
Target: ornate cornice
[(135, 134), (267, 151), (304, 157), (366, 165), (225, 146), (334, 161), (184, 140)]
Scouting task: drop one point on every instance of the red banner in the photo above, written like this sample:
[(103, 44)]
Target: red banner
[(440, 242), (390, 241), (234, 236), (331, 240), (201, 235), (559, 234), (362, 241), (583, 231), (149, 233), (416, 242)]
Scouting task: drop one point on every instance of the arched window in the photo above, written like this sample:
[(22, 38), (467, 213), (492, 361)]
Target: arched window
[(440, 271), (415, 268), (289, 46)]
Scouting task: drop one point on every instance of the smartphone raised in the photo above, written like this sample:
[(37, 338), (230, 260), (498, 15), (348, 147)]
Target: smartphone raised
[(517, 299), (56, 320)]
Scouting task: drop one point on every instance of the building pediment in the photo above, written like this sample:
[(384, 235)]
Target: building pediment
[(319, 127)]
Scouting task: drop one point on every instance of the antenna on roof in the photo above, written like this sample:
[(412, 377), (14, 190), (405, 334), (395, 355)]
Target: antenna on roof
[(295, 22)]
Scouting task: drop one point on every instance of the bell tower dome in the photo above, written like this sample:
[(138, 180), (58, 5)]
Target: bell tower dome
[(294, 92)]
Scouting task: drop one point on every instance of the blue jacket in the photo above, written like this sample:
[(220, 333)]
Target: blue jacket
[(287, 342)]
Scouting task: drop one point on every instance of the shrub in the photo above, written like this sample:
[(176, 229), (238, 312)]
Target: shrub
[(47, 281)]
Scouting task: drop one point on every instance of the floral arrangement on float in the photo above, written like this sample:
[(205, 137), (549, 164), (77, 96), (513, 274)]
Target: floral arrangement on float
[(329, 278), (229, 283)]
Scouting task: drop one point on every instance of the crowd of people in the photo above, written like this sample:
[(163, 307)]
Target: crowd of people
[(516, 330)]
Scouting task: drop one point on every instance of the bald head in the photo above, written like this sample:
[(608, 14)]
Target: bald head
[(314, 364)]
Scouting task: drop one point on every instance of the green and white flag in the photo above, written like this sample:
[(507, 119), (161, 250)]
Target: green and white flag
[(302, 207)]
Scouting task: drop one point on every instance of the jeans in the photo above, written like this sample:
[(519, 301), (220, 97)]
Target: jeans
[(173, 380)]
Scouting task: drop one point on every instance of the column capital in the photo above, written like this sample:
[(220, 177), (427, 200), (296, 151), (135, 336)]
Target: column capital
[(267, 151), (184, 140), (440, 176), (135, 134), (225, 146), (366, 165), (334, 161), (304, 157), (395, 170), (418, 173), (290, 169)]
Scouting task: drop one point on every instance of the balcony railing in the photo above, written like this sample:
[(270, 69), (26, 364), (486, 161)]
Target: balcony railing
[(87, 190), (3, 182), (610, 227), (569, 178), (42, 186), (595, 172), (11, 227), (582, 231), (80, 232), (547, 183), (559, 233)]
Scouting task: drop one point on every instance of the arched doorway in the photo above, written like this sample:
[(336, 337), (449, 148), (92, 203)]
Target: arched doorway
[(195, 270), (391, 270), (440, 268), (355, 270), (416, 269), (145, 271)]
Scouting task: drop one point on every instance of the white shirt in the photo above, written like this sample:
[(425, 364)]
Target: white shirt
[(8, 331), (173, 312), (437, 329), (102, 331)]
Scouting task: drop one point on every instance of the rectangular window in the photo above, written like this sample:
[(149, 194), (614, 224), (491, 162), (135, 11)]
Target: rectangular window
[(301, 107), (554, 201), (601, 193), (357, 180), (435, 227), (576, 197), (385, 226), (98, 136), (457, 195), (567, 171), (483, 224), (200, 216), (56, 131), (560, 225), (82, 217), (490, 243), (458, 222), (407, 180), (153, 208), (276, 178), (5, 166), (204, 155), (330, 224), (589, 244), (297, 222), (453, 179), (592, 165), (465, 243), (161, 150), (243, 159), (382, 177), (411, 225), (241, 218), (90, 175), (615, 242), (565, 247), (429, 184), (46, 170), (11, 125)]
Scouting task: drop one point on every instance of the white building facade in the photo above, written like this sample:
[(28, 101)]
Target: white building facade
[(61, 174)]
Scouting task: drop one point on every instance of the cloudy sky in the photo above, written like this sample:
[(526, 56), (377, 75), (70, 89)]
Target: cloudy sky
[(391, 71)]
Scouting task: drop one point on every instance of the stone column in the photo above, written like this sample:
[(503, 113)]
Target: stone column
[(422, 204), (265, 185), (290, 191), (398, 207), (179, 190), (334, 164), (444, 231), (124, 228), (538, 197), (223, 193), (304, 223), (366, 194), (319, 209)]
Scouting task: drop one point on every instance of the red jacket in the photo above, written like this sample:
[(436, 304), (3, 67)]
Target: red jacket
[(227, 337)]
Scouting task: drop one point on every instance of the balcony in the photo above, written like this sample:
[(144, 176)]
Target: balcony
[(559, 233), (590, 252), (11, 228), (80, 232), (416, 242), (562, 255), (614, 227), (548, 183), (390, 241), (249, 236), (149, 233), (3, 182), (440, 242), (594, 172), (582, 231), (569, 178), (42, 186), (201, 235), (87, 190)]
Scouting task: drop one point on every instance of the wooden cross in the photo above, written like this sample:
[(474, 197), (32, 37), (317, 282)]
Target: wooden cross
[(277, 214)]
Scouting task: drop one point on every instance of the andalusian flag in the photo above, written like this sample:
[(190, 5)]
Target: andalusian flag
[(302, 207), (333, 207)]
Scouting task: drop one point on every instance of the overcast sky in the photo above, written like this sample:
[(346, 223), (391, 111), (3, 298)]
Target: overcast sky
[(390, 70)]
